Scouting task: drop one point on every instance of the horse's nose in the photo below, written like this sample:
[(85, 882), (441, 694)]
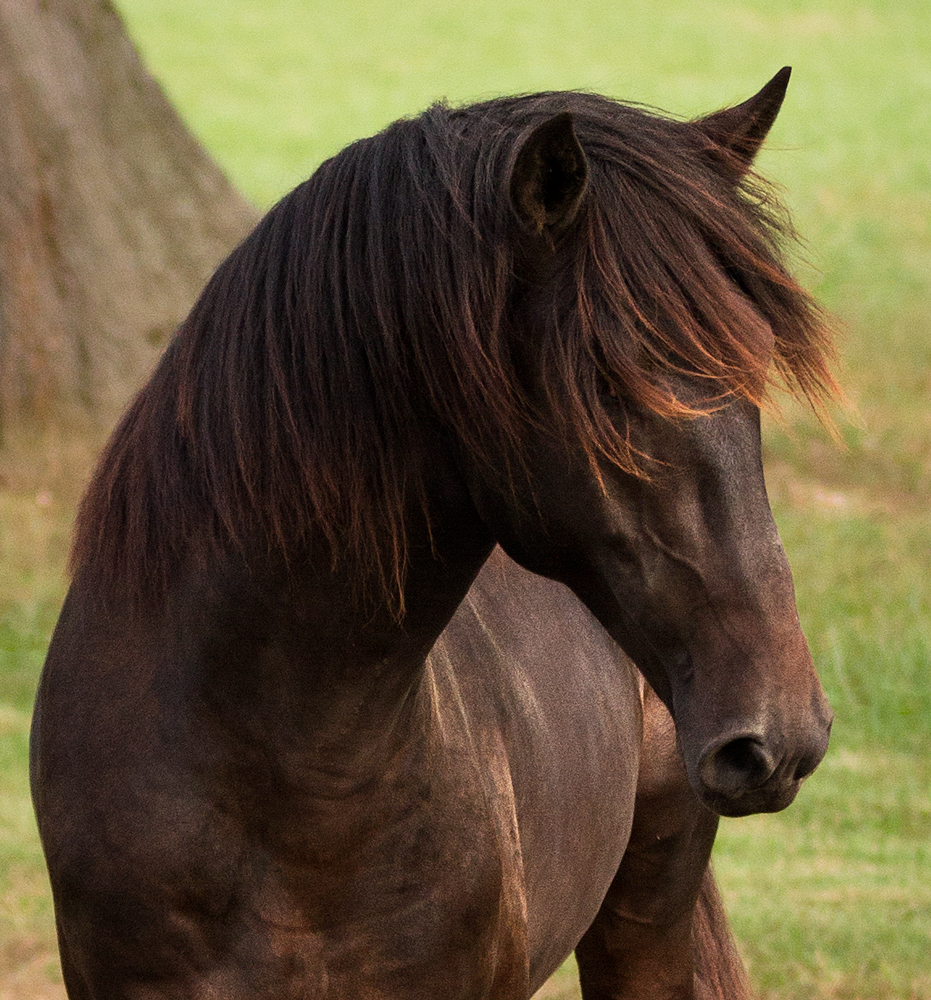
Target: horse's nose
[(812, 753), (736, 766), (752, 771)]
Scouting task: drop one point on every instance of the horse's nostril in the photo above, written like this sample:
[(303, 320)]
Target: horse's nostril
[(737, 767)]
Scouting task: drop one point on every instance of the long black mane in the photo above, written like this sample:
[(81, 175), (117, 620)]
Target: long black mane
[(391, 290)]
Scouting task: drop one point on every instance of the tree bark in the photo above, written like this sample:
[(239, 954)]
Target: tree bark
[(112, 216)]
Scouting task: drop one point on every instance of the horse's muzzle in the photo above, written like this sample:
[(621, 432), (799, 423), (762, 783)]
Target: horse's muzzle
[(751, 771)]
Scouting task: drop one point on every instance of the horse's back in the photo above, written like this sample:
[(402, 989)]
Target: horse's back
[(553, 707)]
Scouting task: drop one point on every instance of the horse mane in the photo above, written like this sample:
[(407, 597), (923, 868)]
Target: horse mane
[(383, 294)]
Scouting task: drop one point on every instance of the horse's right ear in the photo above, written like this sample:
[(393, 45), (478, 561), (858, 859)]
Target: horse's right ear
[(550, 176), (736, 134)]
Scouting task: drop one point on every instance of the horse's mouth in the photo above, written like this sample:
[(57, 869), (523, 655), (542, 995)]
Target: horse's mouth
[(759, 800)]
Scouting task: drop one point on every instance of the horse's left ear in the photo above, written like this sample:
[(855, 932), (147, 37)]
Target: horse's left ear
[(736, 134), (549, 176)]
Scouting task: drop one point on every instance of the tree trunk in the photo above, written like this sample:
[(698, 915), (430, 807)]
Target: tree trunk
[(112, 216)]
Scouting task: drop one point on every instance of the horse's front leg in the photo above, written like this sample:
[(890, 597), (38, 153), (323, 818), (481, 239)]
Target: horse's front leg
[(661, 933)]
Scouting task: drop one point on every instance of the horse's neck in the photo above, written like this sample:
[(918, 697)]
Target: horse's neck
[(292, 663)]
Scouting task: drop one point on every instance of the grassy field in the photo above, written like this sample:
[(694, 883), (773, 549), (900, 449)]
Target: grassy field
[(832, 898)]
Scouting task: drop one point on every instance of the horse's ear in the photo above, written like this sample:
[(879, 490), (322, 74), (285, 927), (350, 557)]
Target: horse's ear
[(549, 176), (736, 134)]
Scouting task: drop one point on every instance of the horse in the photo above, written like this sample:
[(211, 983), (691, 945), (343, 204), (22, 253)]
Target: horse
[(427, 609)]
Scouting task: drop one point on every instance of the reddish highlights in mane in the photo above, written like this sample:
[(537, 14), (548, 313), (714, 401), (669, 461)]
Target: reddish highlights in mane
[(396, 288)]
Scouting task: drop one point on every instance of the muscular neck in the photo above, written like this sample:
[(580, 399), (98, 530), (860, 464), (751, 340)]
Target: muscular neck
[(295, 669)]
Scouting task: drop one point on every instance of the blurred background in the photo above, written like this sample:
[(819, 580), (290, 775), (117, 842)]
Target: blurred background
[(829, 899)]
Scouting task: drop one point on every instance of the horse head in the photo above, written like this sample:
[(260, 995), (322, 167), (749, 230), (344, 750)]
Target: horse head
[(641, 484)]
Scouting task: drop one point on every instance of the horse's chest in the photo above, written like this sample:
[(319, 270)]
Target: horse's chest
[(425, 906)]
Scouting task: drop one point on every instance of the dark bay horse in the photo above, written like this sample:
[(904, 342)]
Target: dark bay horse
[(443, 503)]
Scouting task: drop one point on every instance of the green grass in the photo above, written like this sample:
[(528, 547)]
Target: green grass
[(833, 897), (33, 540)]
